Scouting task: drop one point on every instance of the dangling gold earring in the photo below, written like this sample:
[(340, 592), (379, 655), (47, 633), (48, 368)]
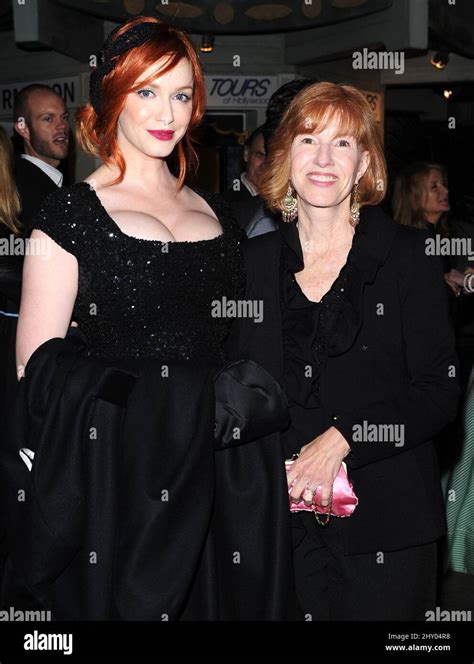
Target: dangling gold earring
[(289, 206), (355, 206)]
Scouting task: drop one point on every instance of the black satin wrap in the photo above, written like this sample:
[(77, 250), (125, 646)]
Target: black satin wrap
[(141, 494), (250, 404)]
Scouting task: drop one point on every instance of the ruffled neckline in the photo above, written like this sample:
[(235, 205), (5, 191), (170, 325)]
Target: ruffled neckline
[(338, 317)]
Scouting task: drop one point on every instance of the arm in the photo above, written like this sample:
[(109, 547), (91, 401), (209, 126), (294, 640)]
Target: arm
[(424, 407), (48, 296), (430, 400), (455, 280)]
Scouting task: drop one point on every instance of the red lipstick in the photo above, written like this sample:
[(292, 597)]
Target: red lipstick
[(161, 135)]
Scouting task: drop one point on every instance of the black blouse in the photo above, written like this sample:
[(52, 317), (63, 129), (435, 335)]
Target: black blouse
[(306, 329)]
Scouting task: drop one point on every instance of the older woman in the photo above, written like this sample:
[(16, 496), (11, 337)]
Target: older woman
[(356, 327)]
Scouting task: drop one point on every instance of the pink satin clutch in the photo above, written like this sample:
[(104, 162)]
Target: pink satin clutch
[(343, 499)]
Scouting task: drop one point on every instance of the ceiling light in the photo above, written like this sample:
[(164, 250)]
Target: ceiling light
[(207, 44), (440, 59)]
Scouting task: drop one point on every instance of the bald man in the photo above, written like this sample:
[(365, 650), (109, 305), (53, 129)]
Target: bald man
[(41, 119)]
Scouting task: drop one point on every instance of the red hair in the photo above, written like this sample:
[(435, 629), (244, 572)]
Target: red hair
[(311, 110), (97, 134)]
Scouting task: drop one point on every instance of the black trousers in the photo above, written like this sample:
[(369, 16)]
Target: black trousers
[(392, 585)]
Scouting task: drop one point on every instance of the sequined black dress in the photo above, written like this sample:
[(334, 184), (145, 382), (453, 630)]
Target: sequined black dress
[(132, 425), (145, 298)]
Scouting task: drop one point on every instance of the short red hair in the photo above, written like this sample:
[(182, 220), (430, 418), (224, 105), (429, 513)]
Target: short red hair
[(311, 110), (97, 134)]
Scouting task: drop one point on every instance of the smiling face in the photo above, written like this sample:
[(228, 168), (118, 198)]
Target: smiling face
[(155, 117), (325, 165), (436, 196)]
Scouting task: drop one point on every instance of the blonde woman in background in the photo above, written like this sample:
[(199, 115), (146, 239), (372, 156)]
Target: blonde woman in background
[(10, 286), (10, 267), (421, 199), (421, 196)]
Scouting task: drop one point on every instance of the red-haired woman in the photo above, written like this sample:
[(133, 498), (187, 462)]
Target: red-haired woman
[(356, 328), (129, 515)]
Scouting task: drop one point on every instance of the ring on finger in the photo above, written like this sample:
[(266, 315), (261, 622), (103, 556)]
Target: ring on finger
[(308, 496)]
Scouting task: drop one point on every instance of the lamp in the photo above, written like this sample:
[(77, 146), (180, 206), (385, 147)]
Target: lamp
[(440, 59), (207, 44)]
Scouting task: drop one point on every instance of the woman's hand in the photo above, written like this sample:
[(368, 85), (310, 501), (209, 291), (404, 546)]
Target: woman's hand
[(318, 465), (455, 279)]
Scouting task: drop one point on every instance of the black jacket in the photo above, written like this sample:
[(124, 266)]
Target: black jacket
[(390, 360), (33, 186), (10, 274)]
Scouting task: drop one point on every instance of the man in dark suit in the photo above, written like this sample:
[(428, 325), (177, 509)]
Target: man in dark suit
[(249, 208), (243, 197), (41, 119)]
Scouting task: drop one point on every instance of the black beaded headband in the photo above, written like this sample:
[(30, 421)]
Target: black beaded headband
[(106, 58)]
